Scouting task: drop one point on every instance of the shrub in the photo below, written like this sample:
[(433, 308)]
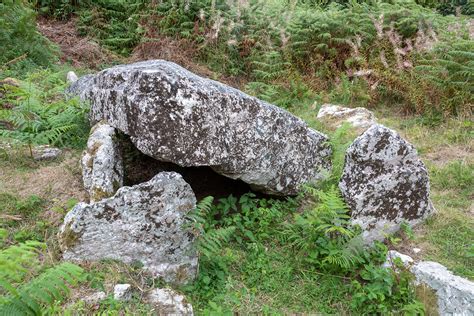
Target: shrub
[(22, 294), (39, 113), (23, 47)]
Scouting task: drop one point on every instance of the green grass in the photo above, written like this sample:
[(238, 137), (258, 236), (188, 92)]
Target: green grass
[(450, 241), (271, 279)]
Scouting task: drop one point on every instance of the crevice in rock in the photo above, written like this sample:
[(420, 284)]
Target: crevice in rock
[(204, 181)]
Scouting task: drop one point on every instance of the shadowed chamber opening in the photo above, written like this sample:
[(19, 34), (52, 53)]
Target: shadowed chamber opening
[(203, 180)]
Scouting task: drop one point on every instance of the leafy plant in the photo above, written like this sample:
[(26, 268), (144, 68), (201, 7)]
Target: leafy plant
[(23, 47), (322, 234), (20, 294), (384, 291), (43, 116)]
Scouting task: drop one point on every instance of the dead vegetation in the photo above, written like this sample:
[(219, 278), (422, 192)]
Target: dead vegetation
[(77, 50)]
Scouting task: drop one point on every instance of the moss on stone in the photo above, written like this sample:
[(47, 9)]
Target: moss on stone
[(98, 194), (68, 237)]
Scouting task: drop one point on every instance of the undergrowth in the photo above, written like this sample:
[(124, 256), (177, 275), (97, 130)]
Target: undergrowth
[(23, 48), (255, 252), (38, 112), (401, 53)]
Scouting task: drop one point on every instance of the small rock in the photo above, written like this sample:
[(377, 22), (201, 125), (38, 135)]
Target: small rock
[(122, 292), (9, 82), (392, 255), (46, 153), (94, 298), (384, 183), (71, 77), (335, 116), (143, 223), (168, 302), (102, 165), (455, 294), (416, 250)]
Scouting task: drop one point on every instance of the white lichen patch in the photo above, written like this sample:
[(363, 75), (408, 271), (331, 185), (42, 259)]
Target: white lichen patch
[(335, 116), (168, 302)]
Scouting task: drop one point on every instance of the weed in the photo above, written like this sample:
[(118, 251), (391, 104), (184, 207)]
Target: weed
[(40, 115), (23, 47)]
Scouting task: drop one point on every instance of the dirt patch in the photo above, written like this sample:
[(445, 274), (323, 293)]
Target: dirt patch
[(79, 51), (54, 181), (444, 155)]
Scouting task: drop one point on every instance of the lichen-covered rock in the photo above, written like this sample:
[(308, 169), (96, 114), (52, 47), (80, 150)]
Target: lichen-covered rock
[(71, 77), (174, 115), (142, 223), (384, 183), (102, 165), (122, 292), (335, 116), (80, 86), (393, 255), (94, 298), (455, 294), (168, 302), (46, 152)]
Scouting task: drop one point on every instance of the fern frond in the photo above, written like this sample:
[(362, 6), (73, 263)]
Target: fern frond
[(211, 243), (43, 291)]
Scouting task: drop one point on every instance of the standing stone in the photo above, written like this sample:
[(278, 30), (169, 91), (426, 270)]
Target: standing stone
[(141, 223), (384, 183), (71, 77), (102, 166), (176, 116)]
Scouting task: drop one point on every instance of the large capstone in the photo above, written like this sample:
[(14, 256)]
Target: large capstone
[(384, 183), (102, 165), (144, 223), (176, 116)]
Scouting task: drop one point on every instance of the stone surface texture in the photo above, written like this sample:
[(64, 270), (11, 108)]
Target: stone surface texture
[(46, 152), (384, 183), (80, 86), (140, 223), (174, 115), (393, 255), (336, 115), (102, 165), (94, 298), (455, 294), (71, 77), (122, 292), (168, 302)]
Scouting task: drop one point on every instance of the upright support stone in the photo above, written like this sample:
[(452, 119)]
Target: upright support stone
[(144, 223), (102, 166)]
